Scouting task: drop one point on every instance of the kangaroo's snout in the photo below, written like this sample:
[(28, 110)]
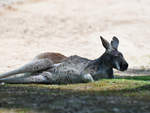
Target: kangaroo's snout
[(123, 66)]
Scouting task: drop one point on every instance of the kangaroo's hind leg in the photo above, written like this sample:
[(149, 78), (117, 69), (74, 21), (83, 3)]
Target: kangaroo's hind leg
[(31, 67), (39, 63), (55, 57)]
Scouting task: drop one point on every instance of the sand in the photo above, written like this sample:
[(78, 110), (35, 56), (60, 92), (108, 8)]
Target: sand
[(73, 27)]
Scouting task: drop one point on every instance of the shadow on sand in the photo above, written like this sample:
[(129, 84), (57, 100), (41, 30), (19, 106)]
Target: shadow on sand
[(134, 74)]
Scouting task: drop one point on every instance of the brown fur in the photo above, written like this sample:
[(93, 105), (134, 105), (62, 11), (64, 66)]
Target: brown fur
[(55, 57)]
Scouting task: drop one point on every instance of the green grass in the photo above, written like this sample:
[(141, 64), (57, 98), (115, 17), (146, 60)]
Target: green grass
[(140, 78), (24, 98)]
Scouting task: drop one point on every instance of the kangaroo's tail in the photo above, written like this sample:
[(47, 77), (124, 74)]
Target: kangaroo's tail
[(34, 66), (25, 79)]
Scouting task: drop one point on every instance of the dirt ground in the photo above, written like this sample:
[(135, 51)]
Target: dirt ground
[(73, 27), (30, 27)]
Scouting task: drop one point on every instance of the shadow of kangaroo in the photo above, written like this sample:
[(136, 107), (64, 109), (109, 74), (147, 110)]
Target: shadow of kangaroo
[(55, 68)]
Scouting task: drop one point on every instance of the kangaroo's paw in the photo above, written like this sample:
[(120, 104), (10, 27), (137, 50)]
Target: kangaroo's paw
[(88, 78)]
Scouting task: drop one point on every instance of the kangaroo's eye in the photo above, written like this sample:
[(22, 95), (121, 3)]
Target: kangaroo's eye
[(116, 54)]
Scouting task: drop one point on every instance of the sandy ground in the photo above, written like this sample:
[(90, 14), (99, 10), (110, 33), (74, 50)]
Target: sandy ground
[(73, 27)]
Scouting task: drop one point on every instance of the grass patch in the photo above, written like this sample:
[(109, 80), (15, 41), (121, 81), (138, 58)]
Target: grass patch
[(140, 78), (23, 98)]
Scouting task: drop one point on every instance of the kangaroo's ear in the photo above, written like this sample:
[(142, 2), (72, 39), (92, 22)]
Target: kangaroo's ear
[(115, 42), (105, 43)]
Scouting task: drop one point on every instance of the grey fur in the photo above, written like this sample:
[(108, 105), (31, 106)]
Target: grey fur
[(74, 69)]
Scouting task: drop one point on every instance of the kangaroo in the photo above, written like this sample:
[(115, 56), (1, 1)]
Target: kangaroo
[(55, 68)]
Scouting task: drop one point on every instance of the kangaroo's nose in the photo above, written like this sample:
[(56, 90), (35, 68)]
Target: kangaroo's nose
[(124, 66)]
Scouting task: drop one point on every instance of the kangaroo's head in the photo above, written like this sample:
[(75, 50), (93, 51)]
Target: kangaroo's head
[(112, 57)]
